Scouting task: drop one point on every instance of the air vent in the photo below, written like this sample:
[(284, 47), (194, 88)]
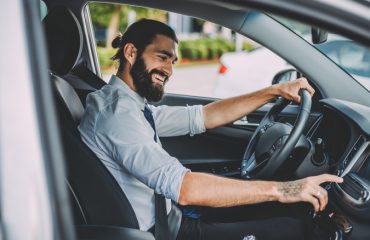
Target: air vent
[(354, 188), (363, 164), (354, 155), (354, 150)]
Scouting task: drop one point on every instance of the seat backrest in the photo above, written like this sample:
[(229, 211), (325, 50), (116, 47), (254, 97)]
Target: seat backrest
[(97, 198), (65, 38)]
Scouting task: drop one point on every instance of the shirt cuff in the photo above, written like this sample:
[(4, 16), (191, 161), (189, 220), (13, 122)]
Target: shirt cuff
[(175, 184), (197, 125)]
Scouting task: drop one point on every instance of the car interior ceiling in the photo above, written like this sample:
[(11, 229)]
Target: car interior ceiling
[(96, 198)]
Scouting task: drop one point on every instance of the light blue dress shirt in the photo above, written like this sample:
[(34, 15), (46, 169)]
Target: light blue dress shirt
[(115, 129)]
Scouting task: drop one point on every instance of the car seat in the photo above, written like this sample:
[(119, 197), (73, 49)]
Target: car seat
[(97, 199)]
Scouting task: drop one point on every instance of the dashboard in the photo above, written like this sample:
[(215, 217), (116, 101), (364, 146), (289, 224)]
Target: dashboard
[(345, 129)]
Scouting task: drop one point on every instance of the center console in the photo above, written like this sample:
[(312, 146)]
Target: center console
[(353, 195), (350, 200)]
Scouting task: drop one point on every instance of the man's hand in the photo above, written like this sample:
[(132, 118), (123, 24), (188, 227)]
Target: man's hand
[(228, 110), (307, 190), (290, 90)]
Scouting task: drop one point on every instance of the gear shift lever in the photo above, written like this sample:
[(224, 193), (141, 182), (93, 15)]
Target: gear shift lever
[(319, 157)]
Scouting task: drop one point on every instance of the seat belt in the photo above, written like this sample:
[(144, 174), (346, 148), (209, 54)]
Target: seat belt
[(161, 223), (88, 76)]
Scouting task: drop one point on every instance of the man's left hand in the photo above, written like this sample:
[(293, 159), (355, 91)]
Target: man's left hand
[(290, 90)]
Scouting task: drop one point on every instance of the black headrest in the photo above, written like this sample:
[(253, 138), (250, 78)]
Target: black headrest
[(64, 39)]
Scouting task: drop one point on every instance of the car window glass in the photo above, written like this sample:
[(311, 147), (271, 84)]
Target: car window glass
[(213, 61), (349, 55)]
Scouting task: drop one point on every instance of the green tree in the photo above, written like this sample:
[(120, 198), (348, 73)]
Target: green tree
[(101, 13), (114, 17), (113, 25)]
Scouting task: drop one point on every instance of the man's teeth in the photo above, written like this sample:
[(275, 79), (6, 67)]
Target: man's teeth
[(159, 78)]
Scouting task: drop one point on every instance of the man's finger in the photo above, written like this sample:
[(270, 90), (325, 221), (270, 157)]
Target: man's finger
[(297, 99), (315, 203), (328, 178), (321, 195), (307, 86), (310, 90)]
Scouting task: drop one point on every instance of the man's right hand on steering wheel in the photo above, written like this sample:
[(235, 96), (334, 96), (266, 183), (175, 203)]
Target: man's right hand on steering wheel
[(290, 90)]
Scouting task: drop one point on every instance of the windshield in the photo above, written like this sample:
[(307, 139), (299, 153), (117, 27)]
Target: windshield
[(349, 55)]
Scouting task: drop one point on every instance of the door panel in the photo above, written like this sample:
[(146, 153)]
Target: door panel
[(218, 150)]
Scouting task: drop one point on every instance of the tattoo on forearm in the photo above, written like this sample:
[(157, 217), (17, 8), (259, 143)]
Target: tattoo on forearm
[(290, 189)]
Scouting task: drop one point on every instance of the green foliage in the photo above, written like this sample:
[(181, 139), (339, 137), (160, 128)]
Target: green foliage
[(193, 50), (101, 14), (205, 48), (105, 55), (247, 46)]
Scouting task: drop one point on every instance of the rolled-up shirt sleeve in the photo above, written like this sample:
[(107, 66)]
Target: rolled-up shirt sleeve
[(135, 150), (175, 121)]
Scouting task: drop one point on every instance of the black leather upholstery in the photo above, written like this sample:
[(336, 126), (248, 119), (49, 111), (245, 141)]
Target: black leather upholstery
[(89, 77), (97, 198), (64, 39)]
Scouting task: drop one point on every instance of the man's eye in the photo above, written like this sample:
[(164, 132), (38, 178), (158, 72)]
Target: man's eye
[(163, 58)]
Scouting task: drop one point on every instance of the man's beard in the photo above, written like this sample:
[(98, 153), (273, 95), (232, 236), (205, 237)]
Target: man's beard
[(143, 81)]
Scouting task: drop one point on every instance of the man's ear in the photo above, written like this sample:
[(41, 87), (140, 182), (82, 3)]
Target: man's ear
[(130, 53)]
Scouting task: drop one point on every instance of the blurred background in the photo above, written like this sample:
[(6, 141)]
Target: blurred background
[(215, 61), (201, 45)]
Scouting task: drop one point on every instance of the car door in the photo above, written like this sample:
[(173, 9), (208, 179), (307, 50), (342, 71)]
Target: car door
[(33, 198)]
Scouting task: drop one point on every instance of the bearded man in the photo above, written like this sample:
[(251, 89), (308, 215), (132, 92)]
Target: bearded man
[(123, 130)]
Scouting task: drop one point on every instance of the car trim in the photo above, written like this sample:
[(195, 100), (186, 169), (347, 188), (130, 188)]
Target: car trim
[(90, 42)]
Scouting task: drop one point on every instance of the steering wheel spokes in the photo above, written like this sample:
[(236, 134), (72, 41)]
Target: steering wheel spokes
[(248, 165), (272, 141)]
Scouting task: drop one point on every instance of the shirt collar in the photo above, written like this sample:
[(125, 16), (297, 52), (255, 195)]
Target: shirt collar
[(122, 86)]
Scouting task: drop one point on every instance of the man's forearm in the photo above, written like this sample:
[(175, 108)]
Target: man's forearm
[(208, 190), (213, 191), (228, 110)]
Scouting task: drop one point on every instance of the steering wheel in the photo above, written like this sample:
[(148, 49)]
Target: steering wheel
[(272, 141)]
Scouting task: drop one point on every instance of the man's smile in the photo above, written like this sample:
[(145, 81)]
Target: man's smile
[(160, 78)]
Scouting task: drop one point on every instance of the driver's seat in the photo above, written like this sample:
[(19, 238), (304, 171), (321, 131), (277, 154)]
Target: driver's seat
[(96, 197)]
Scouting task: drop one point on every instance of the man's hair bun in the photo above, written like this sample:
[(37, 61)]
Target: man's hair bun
[(117, 41)]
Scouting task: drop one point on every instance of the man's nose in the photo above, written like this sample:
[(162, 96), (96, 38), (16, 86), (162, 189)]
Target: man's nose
[(168, 69)]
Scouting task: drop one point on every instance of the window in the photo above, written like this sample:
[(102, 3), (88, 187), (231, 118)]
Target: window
[(347, 54), (213, 61)]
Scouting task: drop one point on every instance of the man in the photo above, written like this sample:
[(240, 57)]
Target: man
[(123, 130)]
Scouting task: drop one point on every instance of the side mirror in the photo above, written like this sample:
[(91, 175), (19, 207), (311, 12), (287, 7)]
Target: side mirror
[(285, 76), (318, 35)]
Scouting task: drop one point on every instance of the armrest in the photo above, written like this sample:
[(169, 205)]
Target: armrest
[(100, 232)]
